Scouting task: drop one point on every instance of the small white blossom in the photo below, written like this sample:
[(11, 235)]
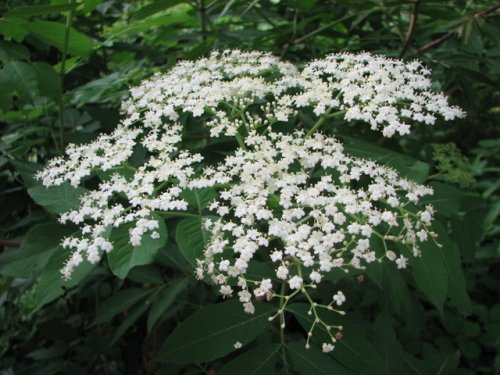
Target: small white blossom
[(327, 348), (401, 262), (295, 282), (339, 298)]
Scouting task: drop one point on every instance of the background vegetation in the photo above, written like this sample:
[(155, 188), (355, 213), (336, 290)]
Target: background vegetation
[(67, 65)]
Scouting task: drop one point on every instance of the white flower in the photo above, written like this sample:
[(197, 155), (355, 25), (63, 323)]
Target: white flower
[(226, 290), (238, 345), (282, 272), (327, 348), (297, 202), (315, 276), (401, 262), (295, 282), (339, 298)]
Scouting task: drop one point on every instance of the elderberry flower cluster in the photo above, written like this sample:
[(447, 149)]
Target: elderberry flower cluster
[(292, 198), (305, 207)]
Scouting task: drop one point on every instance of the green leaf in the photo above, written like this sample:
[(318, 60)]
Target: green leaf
[(51, 283), (23, 78), (57, 199), (119, 303), (147, 274), (354, 351), (37, 247), (48, 80), (125, 256), (199, 198), (14, 28), (155, 7), (446, 198), (53, 34), (90, 5), (449, 364), (131, 318), (166, 299), (187, 20), (450, 257), (430, 273), (13, 51), (406, 165), (171, 256), (212, 331), (387, 344), (257, 361), (396, 288), (191, 237), (38, 10), (313, 361)]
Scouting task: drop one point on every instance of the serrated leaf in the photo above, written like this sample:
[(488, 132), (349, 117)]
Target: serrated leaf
[(147, 274), (165, 299), (131, 318), (212, 331), (199, 198), (14, 28), (354, 351), (184, 19), (313, 361), (406, 165), (125, 256), (53, 34), (449, 364), (48, 80), (430, 273), (37, 247), (153, 8), (52, 284), (13, 51), (38, 10), (23, 79), (450, 257), (57, 199), (257, 361), (446, 198), (191, 237), (120, 302)]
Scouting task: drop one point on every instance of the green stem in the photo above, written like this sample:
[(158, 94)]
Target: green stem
[(321, 121), (203, 21), (282, 325), (239, 138), (69, 20)]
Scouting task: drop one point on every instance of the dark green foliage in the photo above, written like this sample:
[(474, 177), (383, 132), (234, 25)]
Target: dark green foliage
[(65, 67)]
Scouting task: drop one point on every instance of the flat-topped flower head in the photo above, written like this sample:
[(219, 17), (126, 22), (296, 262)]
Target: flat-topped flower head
[(306, 207), (291, 198)]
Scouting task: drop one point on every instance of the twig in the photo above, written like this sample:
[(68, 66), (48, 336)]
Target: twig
[(487, 11), (320, 29), (203, 20), (411, 28), (449, 34)]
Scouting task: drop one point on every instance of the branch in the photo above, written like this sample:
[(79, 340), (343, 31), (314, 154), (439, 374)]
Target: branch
[(203, 20), (449, 34), (320, 29), (411, 28), (487, 11)]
